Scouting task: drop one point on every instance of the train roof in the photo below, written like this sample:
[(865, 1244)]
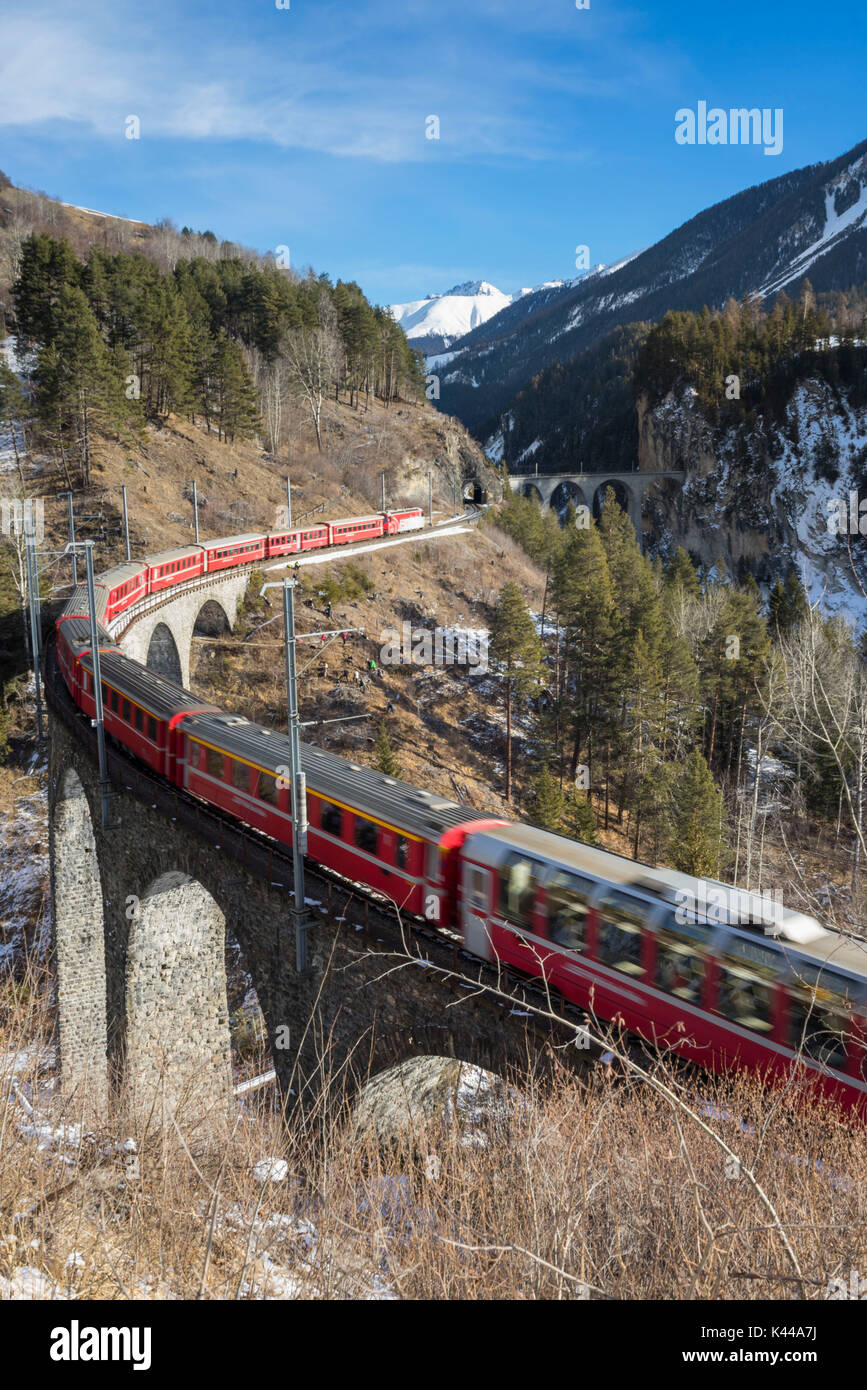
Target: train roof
[(78, 601), (180, 552), (148, 688), (130, 569), (825, 948), (356, 520), (77, 633), (419, 812), (235, 540)]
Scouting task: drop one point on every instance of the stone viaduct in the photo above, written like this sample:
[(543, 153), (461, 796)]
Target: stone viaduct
[(158, 632), (588, 490), (141, 912)]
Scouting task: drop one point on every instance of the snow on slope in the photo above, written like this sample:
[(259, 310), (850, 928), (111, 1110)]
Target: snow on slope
[(451, 315), (93, 212), (837, 226)]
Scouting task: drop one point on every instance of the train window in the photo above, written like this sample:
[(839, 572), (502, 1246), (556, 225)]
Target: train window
[(114, 699), (680, 959), (214, 763), (331, 819), (365, 834), (104, 693), (139, 718), (819, 1013), (125, 712), (621, 923), (745, 992), (401, 851), (152, 728), (568, 898), (268, 789), (240, 775), (518, 878), (478, 889)]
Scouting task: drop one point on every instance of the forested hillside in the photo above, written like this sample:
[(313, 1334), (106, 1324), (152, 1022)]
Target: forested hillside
[(667, 688), (117, 340), (811, 221), (579, 414), (741, 362)]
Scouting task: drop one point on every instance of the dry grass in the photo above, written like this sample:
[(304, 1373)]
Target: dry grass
[(563, 1190)]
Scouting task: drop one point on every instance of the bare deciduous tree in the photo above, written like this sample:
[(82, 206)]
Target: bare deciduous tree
[(313, 356)]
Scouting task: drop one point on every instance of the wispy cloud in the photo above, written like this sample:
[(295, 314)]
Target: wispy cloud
[(357, 85)]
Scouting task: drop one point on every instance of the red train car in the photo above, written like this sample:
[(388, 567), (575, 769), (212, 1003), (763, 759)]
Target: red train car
[(73, 643), (283, 542), (234, 550), (141, 709), (356, 528), (125, 585), (174, 566), (722, 994), (400, 841)]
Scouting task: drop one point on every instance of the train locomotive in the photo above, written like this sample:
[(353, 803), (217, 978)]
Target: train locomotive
[(629, 944)]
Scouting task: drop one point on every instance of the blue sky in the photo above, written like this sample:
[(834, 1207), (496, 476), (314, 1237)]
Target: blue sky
[(305, 126)]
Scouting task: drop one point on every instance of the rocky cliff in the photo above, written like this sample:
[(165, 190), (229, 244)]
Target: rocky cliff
[(766, 495)]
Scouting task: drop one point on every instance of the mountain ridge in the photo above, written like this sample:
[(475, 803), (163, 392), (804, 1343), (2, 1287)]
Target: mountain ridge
[(769, 235)]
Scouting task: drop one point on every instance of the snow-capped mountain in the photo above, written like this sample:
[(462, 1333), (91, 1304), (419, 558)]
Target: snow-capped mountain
[(439, 320), (433, 323), (812, 222)]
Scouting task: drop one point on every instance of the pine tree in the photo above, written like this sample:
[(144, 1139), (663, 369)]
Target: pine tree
[(237, 408), (579, 818), (547, 802), (386, 760), (787, 606), (516, 649), (698, 830), (585, 606), (46, 268), (76, 387), (681, 571)]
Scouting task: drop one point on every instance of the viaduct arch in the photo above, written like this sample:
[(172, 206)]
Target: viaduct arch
[(159, 633), (555, 489)]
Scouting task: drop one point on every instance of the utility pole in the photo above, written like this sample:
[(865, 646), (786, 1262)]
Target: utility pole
[(68, 496), (430, 499), (382, 481), (196, 510), (34, 606), (454, 497), (298, 781), (288, 504), (125, 523), (99, 722)]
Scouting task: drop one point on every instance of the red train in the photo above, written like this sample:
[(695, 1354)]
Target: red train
[(127, 584), (628, 943)]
